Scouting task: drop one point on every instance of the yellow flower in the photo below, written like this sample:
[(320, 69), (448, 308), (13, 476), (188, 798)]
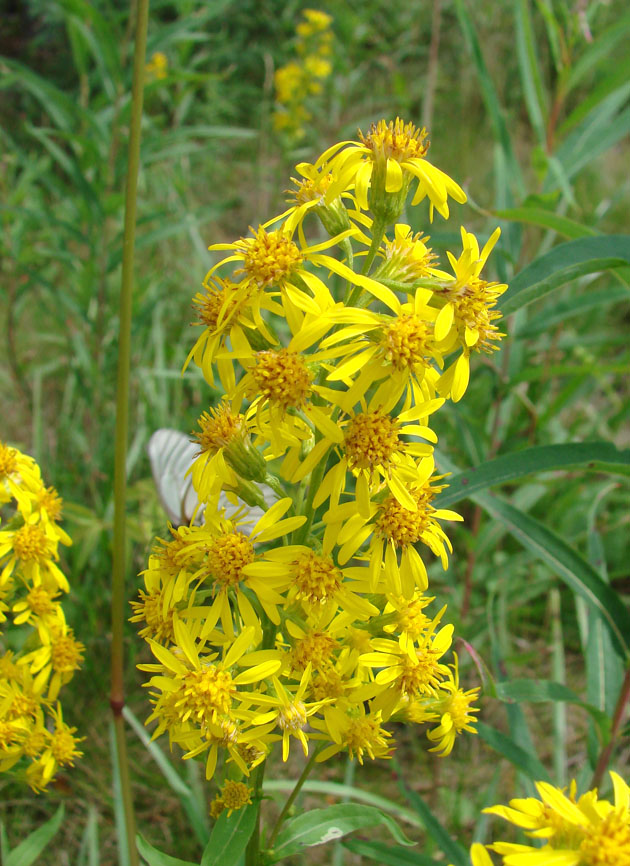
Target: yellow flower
[(409, 668), (468, 317), (584, 831), (290, 711), (354, 730), (157, 67), (388, 158), (227, 553), (235, 795), (455, 710), (394, 528)]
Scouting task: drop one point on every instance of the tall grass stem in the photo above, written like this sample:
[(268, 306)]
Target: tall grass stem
[(122, 425)]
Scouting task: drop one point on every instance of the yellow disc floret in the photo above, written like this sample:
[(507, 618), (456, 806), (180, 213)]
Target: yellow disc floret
[(371, 440), (608, 843), (235, 795), (219, 426), (282, 377), (395, 140), (269, 258), (227, 557), (66, 653), (407, 341), (207, 694), (317, 578), (316, 648), (292, 716), (8, 460), (30, 543)]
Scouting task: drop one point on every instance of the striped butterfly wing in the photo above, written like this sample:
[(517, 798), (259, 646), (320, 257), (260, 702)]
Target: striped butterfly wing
[(171, 454)]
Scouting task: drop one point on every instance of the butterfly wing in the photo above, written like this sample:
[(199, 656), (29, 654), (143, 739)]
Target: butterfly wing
[(172, 454)]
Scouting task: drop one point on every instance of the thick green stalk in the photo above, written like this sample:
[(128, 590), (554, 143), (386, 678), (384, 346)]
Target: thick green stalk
[(122, 423)]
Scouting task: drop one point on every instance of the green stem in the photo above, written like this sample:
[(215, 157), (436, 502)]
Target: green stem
[(622, 703), (253, 846), (122, 424), (308, 510), (378, 230), (291, 798)]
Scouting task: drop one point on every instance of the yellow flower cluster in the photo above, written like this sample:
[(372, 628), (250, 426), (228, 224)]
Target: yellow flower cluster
[(31, 720), (302, 79), (157, 67), (306, 614), (576, 831)]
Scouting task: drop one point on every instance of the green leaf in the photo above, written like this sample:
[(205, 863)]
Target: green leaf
[(347, 792), (593, 456), (451, 848), (389, 855), (522, 760), (538, 216), (230, 836), (29, 850), (555, 314), (328, 825), (563, 264), (158, 858), (563, 560)]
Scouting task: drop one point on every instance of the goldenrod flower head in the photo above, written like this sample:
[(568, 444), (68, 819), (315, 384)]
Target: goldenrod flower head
[(406, 258), (216, 807), (315, 22), (31, 544), (222, 299), (235, 795), (269, 258), (371, 440), (66, 653), (584, 831), (388, 158), (316, 577), (356, 732), (395, 140), (456, 712), (157, 67), (228, 554), (282, 377), (315, 648)]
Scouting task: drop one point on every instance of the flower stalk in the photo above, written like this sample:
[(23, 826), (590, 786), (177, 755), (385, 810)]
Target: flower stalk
[(122, 425)]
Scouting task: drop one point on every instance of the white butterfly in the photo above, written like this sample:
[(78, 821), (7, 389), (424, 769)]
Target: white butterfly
[(171, 454)]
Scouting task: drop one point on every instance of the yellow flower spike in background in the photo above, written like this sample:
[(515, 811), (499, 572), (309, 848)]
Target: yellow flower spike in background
[(34, 739)]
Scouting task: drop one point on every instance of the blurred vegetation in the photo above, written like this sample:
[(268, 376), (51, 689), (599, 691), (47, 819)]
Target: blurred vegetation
[(528, 107)]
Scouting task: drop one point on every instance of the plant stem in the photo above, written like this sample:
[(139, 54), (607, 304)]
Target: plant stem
[(378, 230), (122, 422), (291, 798), (253, 846), (604, 758)]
